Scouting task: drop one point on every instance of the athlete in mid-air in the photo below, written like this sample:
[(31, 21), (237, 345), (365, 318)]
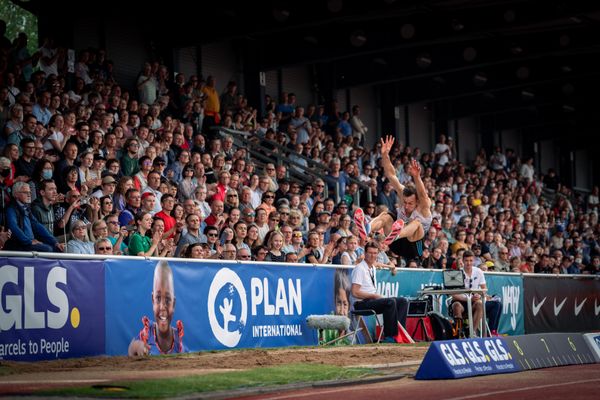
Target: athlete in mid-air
[(404, 228)]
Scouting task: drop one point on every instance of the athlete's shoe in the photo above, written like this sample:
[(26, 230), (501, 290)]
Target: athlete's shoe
[(396, 229), (361, 224)]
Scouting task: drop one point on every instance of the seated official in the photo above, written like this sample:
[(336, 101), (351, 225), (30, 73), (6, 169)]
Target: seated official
[(475, 279), (365, 296)]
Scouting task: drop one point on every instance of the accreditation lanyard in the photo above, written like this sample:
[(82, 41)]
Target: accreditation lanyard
[(372, 275)]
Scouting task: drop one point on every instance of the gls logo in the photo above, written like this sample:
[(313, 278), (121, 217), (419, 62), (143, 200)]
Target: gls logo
[(233, 302), (460, 353), (21, 308)]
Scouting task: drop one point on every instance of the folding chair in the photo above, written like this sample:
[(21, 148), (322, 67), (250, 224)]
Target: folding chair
[(463, 326), (357, 317)]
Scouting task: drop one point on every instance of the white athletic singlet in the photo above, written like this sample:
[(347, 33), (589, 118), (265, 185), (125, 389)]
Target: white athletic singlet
[(425, 221)]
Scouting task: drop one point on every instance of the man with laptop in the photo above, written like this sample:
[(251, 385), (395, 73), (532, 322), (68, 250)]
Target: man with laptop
[(475, 279)]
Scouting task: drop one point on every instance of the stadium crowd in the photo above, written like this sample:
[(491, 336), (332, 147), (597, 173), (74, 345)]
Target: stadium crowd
[(89, 167)]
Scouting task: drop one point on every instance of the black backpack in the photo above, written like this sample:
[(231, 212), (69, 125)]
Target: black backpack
[(441, 326)]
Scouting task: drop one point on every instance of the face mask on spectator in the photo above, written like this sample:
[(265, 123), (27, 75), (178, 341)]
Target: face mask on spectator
[(47, 174), (5, 172)]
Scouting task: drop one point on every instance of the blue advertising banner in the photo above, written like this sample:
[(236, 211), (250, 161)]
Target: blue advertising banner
[(51, 309), (509, 288), (214, 305), (406, 282), (452, 359)]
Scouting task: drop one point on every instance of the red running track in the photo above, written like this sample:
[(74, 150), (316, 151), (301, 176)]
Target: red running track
[(573, 382)]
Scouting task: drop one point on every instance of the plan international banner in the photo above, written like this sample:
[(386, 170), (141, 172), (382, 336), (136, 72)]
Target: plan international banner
[(215, 305), (51, 309)]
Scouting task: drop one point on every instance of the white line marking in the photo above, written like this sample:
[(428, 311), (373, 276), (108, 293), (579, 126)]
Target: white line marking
[(475, 396), (346, 389)]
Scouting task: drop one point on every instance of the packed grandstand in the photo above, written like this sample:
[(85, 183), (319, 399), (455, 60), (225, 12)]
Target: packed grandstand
[(185, 167)]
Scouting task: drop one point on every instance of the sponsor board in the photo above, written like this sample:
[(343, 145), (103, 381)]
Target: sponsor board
[(545, 350), (453, 359), (593, 341), (51, 309), (220, 305), (561, 305)]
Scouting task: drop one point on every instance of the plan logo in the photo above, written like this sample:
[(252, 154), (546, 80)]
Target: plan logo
[(227, 307)]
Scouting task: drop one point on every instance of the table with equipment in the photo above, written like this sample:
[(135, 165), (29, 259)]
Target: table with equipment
[(438, 293)]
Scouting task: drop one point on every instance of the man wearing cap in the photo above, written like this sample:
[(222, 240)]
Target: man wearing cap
[(109, 183), (149, 203), (159, 165), (282, 191), (323, 219)]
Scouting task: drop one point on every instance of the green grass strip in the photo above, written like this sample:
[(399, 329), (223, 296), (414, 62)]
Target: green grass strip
[(258, 377)]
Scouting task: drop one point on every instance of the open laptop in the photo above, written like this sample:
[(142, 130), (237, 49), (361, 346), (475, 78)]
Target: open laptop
[(417, 308), (453, 278)]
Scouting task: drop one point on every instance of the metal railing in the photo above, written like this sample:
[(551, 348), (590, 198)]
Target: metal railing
[(297, 172)]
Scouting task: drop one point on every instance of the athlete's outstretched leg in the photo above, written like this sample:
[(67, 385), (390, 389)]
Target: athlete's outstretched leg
[(413, 231), (382, 221)]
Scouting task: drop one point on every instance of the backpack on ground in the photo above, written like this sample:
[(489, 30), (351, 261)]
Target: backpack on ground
[(442, 327)]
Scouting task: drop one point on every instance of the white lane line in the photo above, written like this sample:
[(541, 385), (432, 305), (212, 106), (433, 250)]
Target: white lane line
[(310, 394), (523, 389), (346, 389)]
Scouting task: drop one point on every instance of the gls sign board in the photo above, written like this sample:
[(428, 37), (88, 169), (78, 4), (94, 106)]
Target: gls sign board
[(469, 357), (49, 309)]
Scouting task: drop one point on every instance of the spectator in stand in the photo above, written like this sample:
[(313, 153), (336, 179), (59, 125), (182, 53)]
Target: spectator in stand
[(147, 85), (25, 165), (192, 234), (527, 171), (139, 243), (243, 254), (27, 132), (80, 242), (27, 233), (212, 107), (43, 208), (229, 252), (103, 246)]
